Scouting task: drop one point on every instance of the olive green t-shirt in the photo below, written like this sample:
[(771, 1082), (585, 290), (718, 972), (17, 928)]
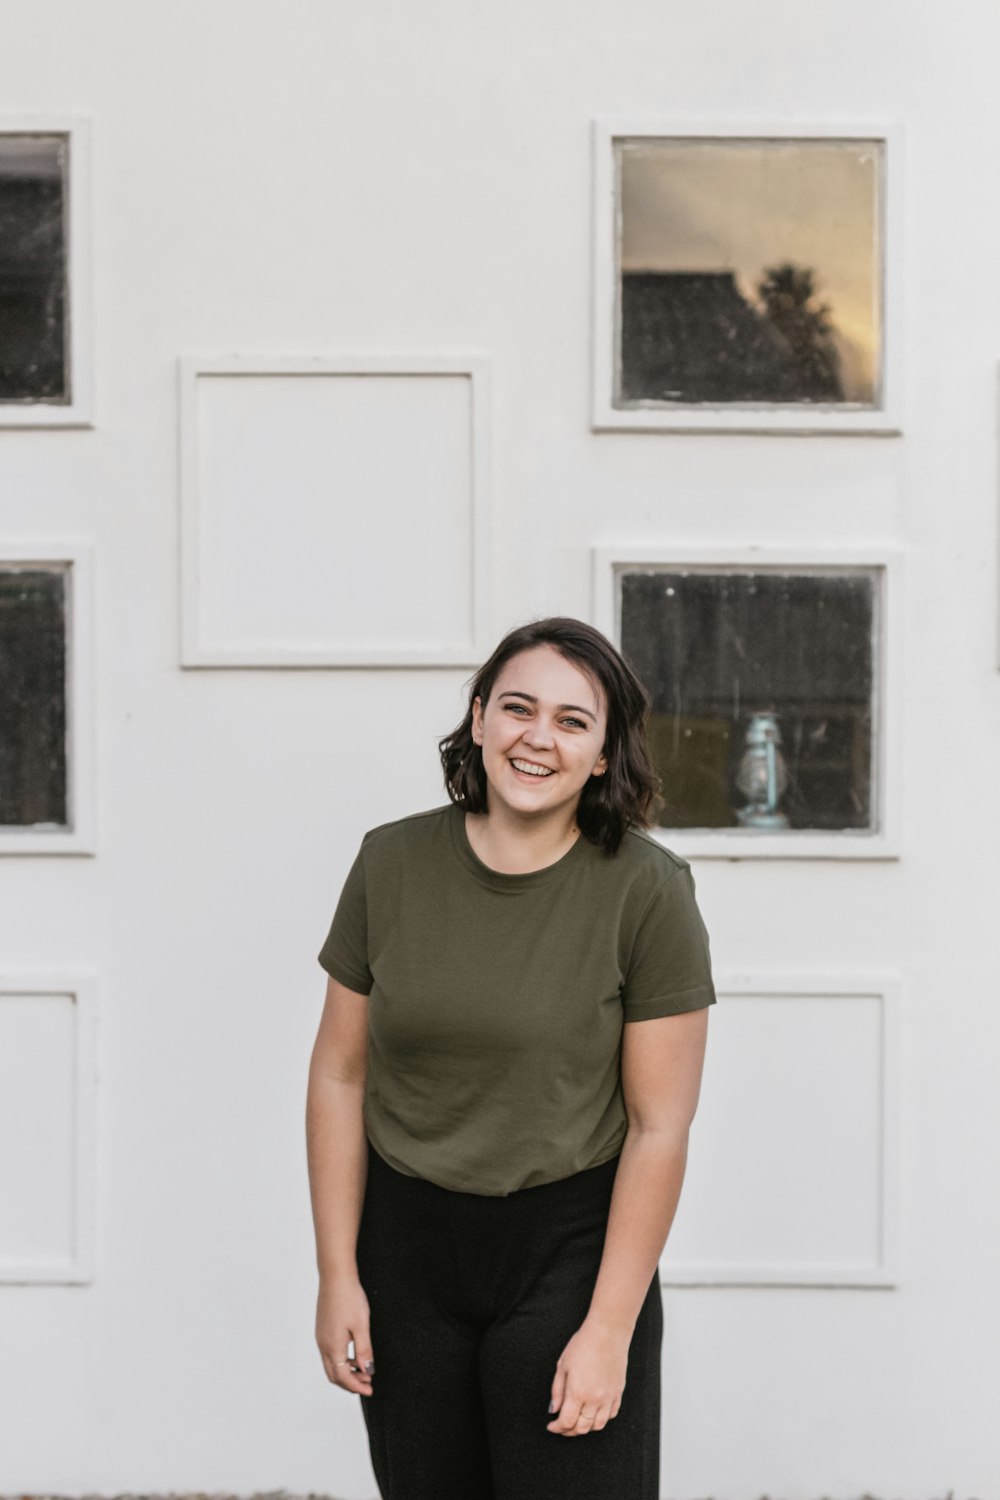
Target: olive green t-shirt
[(496, 1002)]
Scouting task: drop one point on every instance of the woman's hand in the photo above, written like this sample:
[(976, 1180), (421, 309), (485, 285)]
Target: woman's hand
[(342, 1314), (589, 1380)]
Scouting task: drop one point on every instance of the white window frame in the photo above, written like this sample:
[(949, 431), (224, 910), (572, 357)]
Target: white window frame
[(81, 987), (610, 562), (884, 1270), (76, 559), (79, 410), (195, 651), (806, 417)]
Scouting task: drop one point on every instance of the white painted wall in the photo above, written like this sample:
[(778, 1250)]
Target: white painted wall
[(414, 181)]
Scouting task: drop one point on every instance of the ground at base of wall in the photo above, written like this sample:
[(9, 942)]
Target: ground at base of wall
[(286, 1495)]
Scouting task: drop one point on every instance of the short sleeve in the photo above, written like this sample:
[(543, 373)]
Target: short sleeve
[(669, 968), (344, 954)]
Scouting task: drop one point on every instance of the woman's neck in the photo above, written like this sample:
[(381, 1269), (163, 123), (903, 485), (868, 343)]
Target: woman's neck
[(517, 846)]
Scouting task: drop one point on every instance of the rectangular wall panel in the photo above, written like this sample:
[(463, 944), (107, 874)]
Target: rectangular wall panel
[(46, 1113), (803, 1190), (333, 516)]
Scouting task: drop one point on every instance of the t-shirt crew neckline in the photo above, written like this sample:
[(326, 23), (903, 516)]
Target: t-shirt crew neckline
[(500, 880)]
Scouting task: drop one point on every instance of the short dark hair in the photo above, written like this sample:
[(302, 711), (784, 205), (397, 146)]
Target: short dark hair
[(628, 792)]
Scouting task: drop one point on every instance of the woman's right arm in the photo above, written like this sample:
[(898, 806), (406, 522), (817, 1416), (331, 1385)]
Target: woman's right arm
[(337, 1153)]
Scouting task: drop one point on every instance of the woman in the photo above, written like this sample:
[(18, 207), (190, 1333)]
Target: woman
[(500, 1094)]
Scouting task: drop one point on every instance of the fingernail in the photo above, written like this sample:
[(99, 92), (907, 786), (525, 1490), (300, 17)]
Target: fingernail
[(552, 1406), (370, 1366)]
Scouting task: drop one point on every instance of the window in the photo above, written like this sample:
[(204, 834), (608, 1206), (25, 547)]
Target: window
[(33, 762), (34, 293), (742, 281), (772, 724), (45, 355), (762, 695), (46, 699)]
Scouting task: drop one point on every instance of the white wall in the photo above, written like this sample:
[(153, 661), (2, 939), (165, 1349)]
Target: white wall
[(332, 179)]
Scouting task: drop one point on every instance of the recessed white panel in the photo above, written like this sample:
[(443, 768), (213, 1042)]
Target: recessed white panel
[(332, 517), (38, 1120), (789, 1173)]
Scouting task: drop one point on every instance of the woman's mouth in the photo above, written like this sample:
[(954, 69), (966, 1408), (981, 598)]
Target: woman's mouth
[(526, 770)]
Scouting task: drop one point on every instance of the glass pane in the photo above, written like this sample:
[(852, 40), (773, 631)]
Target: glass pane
[(762, 687), (32, 697), (749, 271), (33, 268)]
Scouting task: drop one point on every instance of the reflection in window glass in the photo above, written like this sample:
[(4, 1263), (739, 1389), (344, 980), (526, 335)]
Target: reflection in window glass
[(762, 686), (749, 271), (33, 268), (32, 697)]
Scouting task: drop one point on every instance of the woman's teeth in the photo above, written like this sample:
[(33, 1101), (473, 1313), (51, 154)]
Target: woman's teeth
[(529, 769)]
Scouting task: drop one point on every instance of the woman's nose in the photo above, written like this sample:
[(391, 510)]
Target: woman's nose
[(539, 733)]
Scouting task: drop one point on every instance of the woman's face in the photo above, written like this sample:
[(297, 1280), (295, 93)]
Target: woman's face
[(543, 712)]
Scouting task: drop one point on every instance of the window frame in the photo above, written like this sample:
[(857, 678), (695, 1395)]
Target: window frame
[(883, 841), (789, 417), (78, 411), (77, 836)]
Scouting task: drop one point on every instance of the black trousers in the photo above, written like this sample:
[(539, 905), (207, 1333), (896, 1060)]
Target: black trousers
[(473, 1299)]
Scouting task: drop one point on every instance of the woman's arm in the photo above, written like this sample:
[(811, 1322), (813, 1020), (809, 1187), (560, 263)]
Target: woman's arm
[(337, 1154), (662, 1064), (661, 1079)]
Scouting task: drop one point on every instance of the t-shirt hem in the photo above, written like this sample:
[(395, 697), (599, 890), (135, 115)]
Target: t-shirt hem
[(670, 1005), (470, 1182)]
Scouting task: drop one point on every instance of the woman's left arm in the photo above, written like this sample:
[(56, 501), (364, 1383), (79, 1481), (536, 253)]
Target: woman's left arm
[(661, 1070)]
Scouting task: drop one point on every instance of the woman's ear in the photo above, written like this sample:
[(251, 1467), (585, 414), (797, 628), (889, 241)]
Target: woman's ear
[(477, 721)]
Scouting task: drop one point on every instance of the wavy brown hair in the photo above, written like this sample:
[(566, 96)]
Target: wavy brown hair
[(628, 793)]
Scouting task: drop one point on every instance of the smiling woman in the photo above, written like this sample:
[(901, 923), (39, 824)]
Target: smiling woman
[(532, 736), (501, 1091), (572, 705)]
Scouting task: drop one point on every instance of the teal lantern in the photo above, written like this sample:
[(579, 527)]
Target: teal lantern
[(762, 775)]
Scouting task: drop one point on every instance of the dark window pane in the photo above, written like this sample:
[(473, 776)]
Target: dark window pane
[(32, 697), (33, 268), (734, 283), (762, 687)]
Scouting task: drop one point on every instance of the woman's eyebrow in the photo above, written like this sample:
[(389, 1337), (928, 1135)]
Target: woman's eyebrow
[(512, 693)]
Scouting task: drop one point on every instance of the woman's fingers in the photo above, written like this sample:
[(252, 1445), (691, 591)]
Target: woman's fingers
[(558, 1392), (579, 1416), (602, 1419), (343, 1334), (349, 1365)]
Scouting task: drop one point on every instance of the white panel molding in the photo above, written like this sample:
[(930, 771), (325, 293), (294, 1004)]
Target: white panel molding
[(79, 410), (996, 576), (799, 418), (81, 987), (77, 559), (883, 1271), (611, 561), (199, 651)]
